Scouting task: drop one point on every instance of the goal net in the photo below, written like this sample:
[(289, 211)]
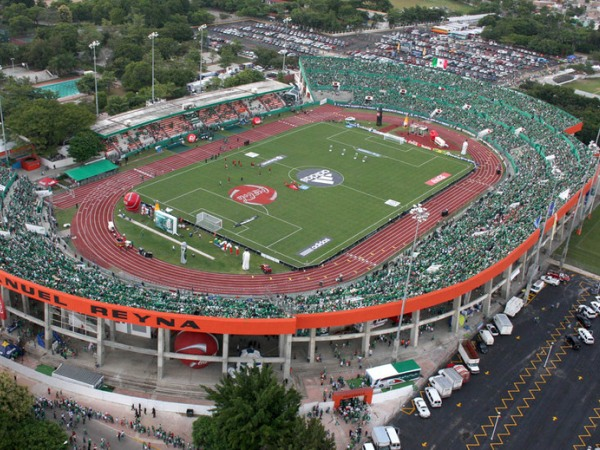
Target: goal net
[(208, 222), (391, 137)]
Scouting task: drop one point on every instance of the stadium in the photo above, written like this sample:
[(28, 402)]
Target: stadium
[(524, 187)]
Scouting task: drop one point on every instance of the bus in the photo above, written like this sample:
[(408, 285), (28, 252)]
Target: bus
[(389, 375)]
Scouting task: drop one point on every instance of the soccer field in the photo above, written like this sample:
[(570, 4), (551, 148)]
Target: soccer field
[(305, 195)]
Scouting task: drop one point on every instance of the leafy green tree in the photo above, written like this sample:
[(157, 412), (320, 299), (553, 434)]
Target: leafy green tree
[(20, 25), (18, 427), (244, 77), (15, 400), (85, 145), (48, 123), (65, 14), (116, 105), (137, 75), (62, 64), (254, 411), (227, 56)]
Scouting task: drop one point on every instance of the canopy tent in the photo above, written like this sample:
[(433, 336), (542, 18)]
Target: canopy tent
[(47, 182), (92, 170)]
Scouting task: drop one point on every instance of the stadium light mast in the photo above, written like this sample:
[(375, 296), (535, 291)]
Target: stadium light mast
[(93, 46), (420, 214), (153, 36), (201, 29), (284, 55), (3, 133)]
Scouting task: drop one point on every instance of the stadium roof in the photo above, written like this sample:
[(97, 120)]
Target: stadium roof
[(161, 110), (91, 170)]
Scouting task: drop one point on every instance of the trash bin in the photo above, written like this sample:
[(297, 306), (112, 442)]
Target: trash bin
[(189, 412)]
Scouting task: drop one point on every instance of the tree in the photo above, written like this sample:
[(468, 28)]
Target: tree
[(85, 145), (18, 426), (48, 123), (254, 411)]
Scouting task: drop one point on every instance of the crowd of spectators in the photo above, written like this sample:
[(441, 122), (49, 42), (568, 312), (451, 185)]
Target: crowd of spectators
[(526, 130)]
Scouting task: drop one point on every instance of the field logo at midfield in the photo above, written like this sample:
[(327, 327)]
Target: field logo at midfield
[(320, 177), (435, 180), (253, 194)]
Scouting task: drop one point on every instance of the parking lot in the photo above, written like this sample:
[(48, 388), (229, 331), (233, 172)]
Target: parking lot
[(534, 391), (472, 57)]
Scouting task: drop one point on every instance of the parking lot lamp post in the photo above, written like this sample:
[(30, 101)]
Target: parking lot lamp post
[(201, 29), (12, 60), (93, 46), (420, 214), (153, 36)]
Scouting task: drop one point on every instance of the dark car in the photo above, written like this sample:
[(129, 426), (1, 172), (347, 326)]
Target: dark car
[(573, 341), (10, 351), (482, 347), (583, 320)]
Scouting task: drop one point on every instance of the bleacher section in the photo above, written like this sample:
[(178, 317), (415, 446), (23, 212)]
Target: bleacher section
[(210, 117)]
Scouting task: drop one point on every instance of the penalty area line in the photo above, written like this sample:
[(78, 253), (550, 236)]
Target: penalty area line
[(169, 238)]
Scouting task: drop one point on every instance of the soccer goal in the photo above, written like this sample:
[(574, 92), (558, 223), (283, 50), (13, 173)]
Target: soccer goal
[(208, 222), (391, 137)]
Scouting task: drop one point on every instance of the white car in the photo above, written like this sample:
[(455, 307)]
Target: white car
[(537, 286), (587, 311), (422, 408), (586, 336), (550, 280), (492, 329), (595, 305)]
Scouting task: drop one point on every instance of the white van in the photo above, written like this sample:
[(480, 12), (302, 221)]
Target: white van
[(585, 336), (394, 438), (433, 397), (368, 446), (486, 337)]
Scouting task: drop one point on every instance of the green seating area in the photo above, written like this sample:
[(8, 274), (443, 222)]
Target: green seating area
[(526, 130)]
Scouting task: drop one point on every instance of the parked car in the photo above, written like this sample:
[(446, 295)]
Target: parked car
[(587, 311), (550, 280), (595, 305), (537, 286), (560, 275), (583, 320), (10, 351), (573, 341), (422, 408), (586, 336), (492, 329), (482, 347)]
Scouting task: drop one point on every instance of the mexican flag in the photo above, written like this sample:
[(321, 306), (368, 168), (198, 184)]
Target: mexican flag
[(439, 63)]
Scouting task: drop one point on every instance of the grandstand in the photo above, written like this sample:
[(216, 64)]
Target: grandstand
[(163, 122), (476, 254)]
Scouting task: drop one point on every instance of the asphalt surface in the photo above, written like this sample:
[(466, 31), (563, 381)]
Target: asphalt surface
[(516, 402)]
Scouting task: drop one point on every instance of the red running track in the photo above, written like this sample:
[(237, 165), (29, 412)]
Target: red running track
[(96, 204)]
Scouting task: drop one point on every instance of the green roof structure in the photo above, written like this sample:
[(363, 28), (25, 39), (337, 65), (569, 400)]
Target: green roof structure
[(91, 170)]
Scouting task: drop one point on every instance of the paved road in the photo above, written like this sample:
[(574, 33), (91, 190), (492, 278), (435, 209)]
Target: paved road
[(540, 407)]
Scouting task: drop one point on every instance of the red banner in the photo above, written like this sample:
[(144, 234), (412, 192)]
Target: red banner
[(2, 308)]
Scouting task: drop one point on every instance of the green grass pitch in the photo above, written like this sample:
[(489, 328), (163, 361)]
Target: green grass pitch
[(370, 170)]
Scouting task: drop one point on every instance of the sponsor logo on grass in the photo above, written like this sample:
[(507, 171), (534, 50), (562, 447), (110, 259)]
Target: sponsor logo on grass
[(368, 152), (271, 161), (253, 194), (320, 177), (317, 245), (435, 180)]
